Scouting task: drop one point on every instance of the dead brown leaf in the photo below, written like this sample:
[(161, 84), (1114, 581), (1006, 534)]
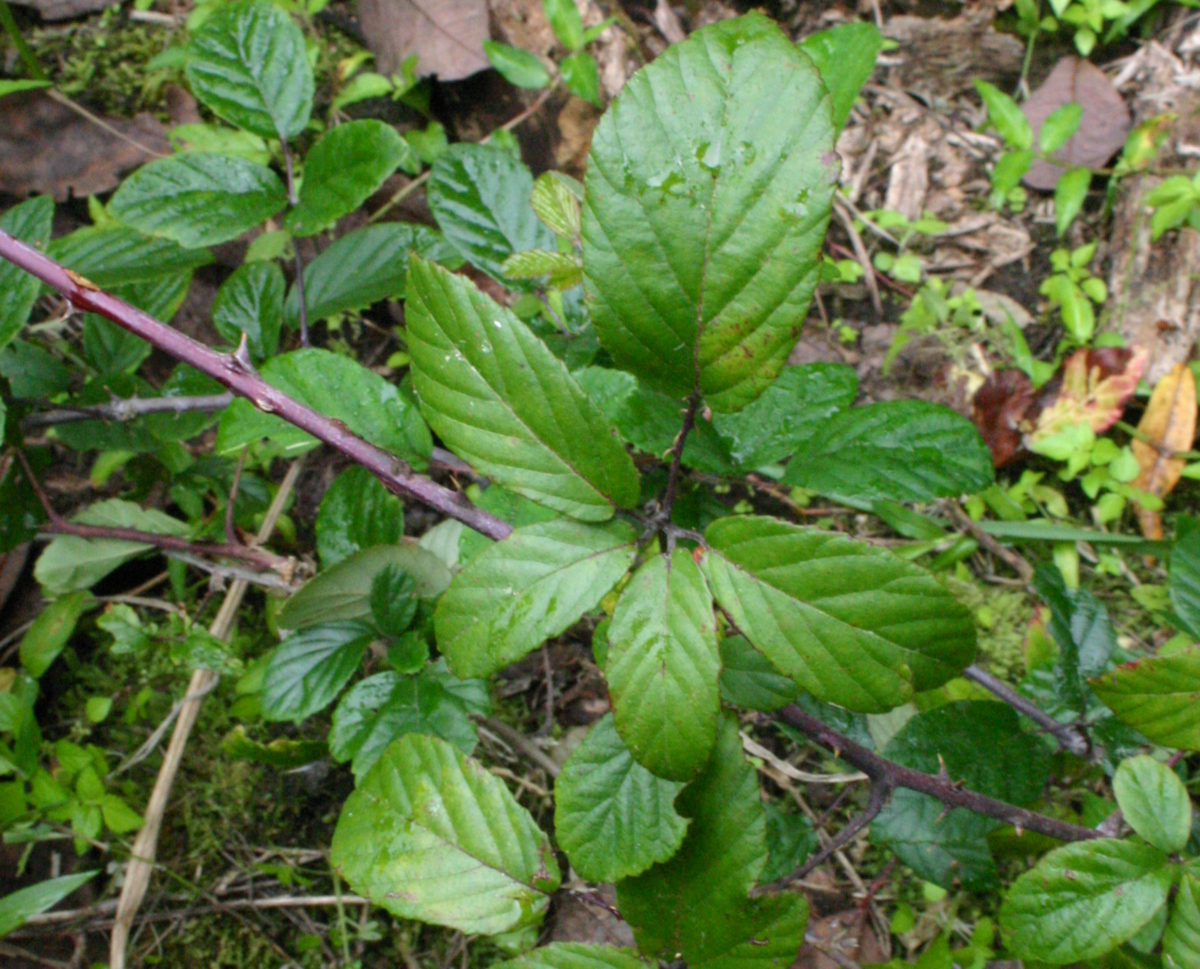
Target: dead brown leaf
[(65, 9), (1102, 129), (846, 933), (46, 148), (446, 35), (1169, 422)]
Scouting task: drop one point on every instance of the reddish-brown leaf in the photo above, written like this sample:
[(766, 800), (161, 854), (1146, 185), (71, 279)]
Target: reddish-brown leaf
[(998, 410), (1102, 129)]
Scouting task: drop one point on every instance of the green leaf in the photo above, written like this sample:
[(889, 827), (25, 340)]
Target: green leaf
[(1085, 899), (904, 450), (70, 563), (517, 66), (356, 512), (363, 267), (20, 905), (1181, 940), (220, 140), (948, 848), (574, 955), (501, 401), (309, 668), (693, 906), (791, 838), (8, 87), (1154, 802), (480, 197), (562, 268), (565, 21), (251, 302), (343, 592), (1079, 624), (430, 835), (1004, 113), (338, 387), (663, 664), (281, 753), (613, 817), (749, 680), (1184, 581), (387, 706), (343, 170), (50, 632), (707, 196), (845, 56), (198, 200), (249, 64), (30, 222), (111, 349), (556, 199), (979, 744), (794, 408), (122, 256), (582, 77), (852, 624), (530, 587), (1069, 195), (1058, 128), (393, 600)]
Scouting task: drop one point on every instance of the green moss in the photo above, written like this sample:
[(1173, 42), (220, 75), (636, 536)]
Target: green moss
[(1002, 618)]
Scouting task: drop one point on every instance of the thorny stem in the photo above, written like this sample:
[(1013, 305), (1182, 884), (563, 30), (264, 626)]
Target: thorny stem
[(1070, 738), (236, 374), (893, 775), (57, 525), (293, 200), (689, 421), (131, 408)]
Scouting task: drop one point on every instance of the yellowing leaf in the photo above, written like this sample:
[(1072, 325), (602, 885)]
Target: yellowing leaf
[(1095, 386), (1169, 422)]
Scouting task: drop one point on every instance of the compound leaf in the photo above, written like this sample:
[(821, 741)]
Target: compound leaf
[(520, 592), (797, 405), (429, 834), (30, 221), (117, 255), (506, 405), (480, 197), (691, 904), (249, 65), (335, 386), (356, 512), (707, 196), (613, 817), (250, 302), (1181, 940), (1085, 899), (852, 624), (344, 591), (198, 199), (363, 267), (904, 450), (1159, 696), (662, 668), (309, 668), (343, 170), (387, 706), (1154, 802)]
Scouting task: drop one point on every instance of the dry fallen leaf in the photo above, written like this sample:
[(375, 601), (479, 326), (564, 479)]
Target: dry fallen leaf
[(46, 148), (1102, 129), (446, 35), (998, 410), (1170, 422)]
